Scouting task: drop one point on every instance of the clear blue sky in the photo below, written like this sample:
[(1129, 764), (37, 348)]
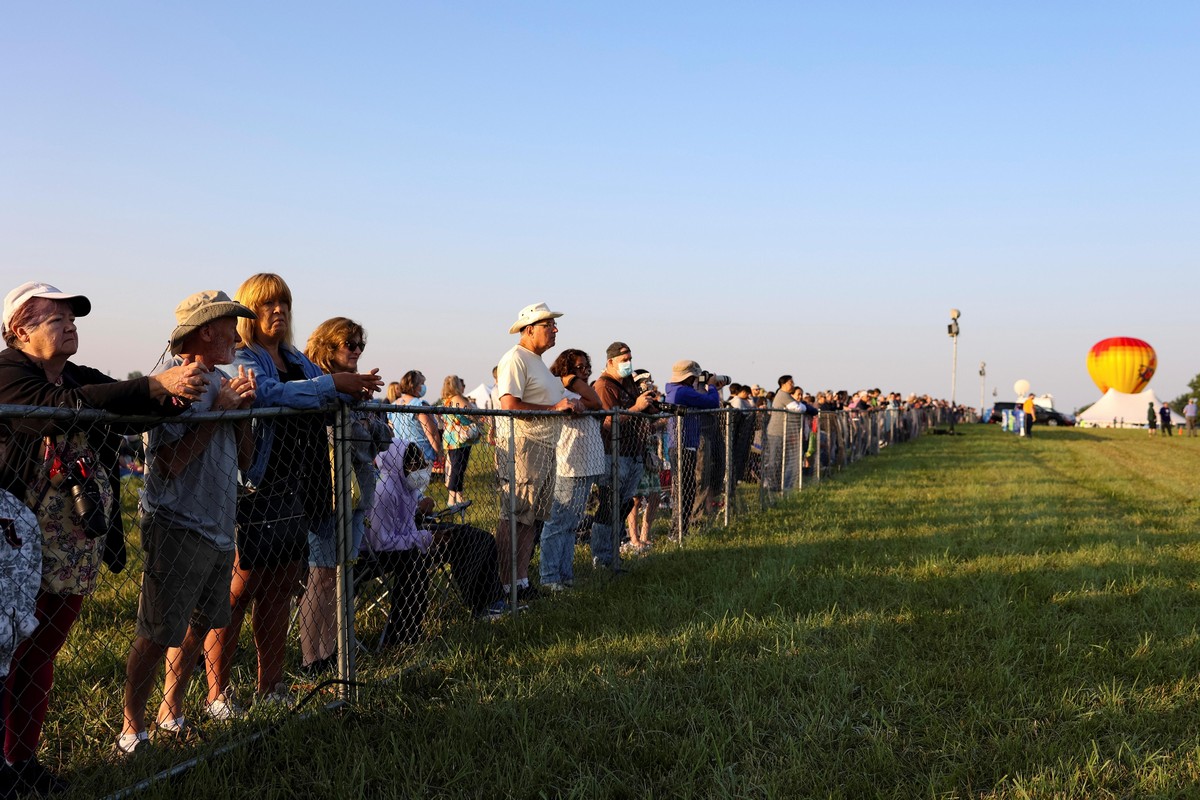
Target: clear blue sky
[(764, 187)]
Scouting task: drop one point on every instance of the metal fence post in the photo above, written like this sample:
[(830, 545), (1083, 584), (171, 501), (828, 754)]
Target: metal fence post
[(730, 478), (783, 487), (614, 476), (343, 477), (763, 418), (817, 430), (677, 479), (822, 443), (801, 420), (512, 510), (844, 450)]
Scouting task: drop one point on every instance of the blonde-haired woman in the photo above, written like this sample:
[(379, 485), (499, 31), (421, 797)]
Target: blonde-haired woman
[(336, 346), (457, 437), (289, 507)]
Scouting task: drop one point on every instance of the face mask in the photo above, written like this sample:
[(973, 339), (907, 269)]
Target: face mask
[(419, 480), (625, 369), (421, 391)]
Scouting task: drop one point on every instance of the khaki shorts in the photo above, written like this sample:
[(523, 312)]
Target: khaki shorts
[(536, 465), (186, 582)]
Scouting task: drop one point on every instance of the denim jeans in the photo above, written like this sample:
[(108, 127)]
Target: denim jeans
[(604, 543), (366, 481), (558, 534)]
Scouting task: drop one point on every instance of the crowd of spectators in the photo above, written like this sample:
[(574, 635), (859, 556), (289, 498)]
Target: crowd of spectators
[(239, 517)]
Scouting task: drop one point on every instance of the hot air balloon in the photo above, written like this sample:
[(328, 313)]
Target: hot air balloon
[(1122, 363)]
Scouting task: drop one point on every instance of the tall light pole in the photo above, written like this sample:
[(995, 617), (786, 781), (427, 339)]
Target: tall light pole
[(952, 329), (982, 381)]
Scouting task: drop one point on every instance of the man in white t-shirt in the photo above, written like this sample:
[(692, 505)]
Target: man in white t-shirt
[(524, 383)]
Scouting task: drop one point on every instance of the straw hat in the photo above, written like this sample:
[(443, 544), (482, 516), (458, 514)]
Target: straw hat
[(531, 314), (200, 309)]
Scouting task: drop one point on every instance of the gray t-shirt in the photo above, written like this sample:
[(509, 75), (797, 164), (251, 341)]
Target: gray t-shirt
[(203, 497), (779, 422)]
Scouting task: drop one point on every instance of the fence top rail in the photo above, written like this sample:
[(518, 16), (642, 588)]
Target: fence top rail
[(91, 415), (679, 411), (96, 415)]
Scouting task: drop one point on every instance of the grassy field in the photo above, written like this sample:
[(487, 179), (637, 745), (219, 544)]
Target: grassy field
[(968, 616)]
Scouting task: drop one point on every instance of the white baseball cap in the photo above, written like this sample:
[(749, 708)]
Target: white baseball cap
[(27, 291)]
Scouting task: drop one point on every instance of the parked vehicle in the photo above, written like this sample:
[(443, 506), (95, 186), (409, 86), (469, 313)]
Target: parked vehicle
[(996, 413), (1045, 416), (1053, 417)]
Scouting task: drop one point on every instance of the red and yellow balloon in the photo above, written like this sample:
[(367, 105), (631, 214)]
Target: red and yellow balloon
[(1122, 363)]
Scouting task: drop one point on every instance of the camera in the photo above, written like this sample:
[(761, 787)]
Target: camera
[(645, 384), (710, 377), (75, 477), (670, 408)]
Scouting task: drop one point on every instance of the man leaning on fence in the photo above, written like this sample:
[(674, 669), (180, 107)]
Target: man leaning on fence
[(187, 521), (616, 390), (525, 383), (781, 466)]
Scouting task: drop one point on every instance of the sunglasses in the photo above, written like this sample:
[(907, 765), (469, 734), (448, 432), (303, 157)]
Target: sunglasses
[(355, 345)]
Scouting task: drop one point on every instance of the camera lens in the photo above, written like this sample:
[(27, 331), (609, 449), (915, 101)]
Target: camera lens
[(88, 507)]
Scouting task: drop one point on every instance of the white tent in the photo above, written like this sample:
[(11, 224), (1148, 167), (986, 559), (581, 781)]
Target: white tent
[(482, 395), (1128, 410)]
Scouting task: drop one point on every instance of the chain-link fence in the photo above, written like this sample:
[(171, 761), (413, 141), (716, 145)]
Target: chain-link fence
[(350, 539)]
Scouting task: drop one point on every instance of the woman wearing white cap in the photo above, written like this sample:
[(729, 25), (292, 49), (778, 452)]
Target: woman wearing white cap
[(36, 370)]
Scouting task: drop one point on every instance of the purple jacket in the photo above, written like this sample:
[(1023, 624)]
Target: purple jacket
[(392, 520)]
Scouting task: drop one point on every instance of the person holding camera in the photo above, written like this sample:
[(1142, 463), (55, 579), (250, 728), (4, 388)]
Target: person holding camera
[(689, 388), (617, 391), (648, 494), (188, 512), (68, 474), (710, 457)]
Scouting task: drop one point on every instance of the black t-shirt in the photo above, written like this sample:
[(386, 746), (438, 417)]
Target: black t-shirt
[(300, 457)]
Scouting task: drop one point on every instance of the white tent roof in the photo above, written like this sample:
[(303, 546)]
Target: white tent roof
[(1129, 410), (482, 395)]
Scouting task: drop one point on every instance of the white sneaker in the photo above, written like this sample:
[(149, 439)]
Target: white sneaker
[(178, 731), (281, 698), (224, 708), (129, 744), (554, 586)]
